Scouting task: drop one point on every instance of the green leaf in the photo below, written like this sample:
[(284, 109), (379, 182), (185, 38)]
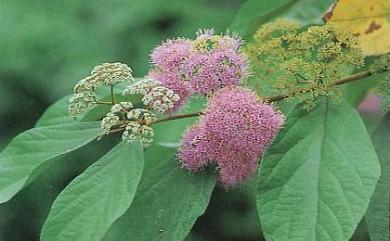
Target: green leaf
[(34, 148), (169, 133), (307, 11), (168, 202), (93, 201), (355, 92), (317, 177), (28, 209), (377, 216), (56, 114), (256, 12)]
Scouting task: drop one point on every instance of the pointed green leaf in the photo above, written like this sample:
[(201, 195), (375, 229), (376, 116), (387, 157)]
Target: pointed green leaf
[(377, 216), (94, 200), (168, 202), (355, 92), (307, 11), (56, 114), (256, 12), (316, 179), (31, 149)]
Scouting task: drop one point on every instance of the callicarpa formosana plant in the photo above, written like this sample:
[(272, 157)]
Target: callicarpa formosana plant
[(275, 113)]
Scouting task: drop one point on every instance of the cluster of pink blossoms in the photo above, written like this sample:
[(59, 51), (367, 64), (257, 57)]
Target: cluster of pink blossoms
[(232, 134), (201, 66), (236, 126)]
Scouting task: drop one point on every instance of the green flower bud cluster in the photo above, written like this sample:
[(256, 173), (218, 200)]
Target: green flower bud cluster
[(112, 73), (287, 59), (155, 96), (80, 102), (135, 122), (139, 126), (107, 74)]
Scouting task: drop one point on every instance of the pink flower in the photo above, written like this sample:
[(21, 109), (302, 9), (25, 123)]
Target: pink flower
[(195, 149), (216, 62), (202, 66), (168, 59), (218, 42), (370, 104), (236, 129), (171, 54), (235, 168), (209, 72)]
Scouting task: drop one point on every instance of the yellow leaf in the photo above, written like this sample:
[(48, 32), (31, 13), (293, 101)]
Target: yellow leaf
[(369, 20)]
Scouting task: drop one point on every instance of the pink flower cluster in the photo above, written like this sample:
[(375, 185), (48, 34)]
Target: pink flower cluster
[(370, 104), (201, 66), (167, 60), (232, 134)]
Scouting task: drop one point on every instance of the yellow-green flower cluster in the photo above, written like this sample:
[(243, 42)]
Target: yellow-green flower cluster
[(287, 58), (381, 64)]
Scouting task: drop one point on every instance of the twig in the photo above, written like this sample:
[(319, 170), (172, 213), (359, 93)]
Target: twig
[(175, 117), (338, 82), (278, 97), (268, 99), (102, 102)]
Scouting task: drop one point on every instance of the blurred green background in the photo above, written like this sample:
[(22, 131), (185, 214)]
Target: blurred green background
[(47, 46)]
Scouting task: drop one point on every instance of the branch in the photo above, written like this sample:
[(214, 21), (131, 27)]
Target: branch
[(175, 117), (276, 98), (102, 102), (338, 82)]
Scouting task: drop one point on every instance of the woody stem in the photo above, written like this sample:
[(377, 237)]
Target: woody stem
[(276, 98)]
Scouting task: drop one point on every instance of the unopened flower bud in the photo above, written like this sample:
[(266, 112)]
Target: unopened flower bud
[(112, 73), (156, 96)]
